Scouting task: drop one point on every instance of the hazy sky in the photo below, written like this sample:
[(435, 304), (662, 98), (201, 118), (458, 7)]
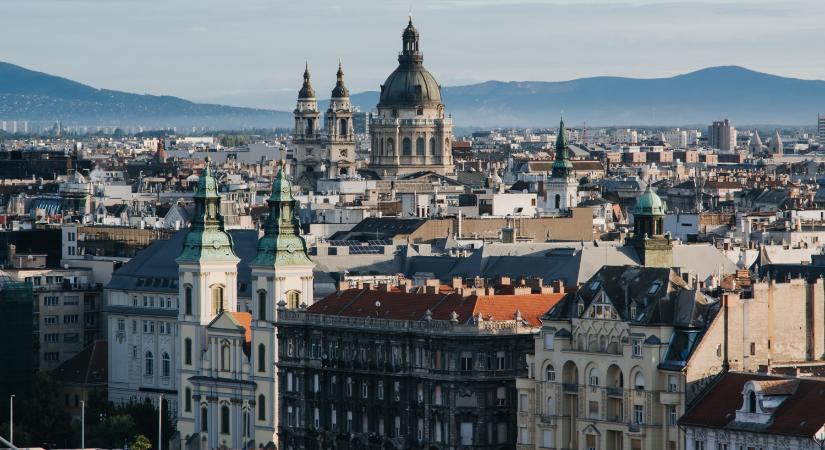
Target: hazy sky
[(252, 52)]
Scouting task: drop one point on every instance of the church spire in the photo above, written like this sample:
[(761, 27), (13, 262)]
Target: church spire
[(562, 168), (206, 238), (340, 91), (306, 90), (281, 244)]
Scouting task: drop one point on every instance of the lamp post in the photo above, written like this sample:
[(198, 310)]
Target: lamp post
[(160, 422), (83, 425), (11, 419)]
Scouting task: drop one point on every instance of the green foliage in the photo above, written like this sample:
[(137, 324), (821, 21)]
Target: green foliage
[(141, 443), (43, 419)]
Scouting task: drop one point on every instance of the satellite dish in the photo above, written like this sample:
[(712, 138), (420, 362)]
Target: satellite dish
[(377, 303)]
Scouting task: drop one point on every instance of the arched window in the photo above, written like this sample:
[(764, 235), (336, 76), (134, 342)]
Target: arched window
[(550, 406), (293, 299), (225, 419), (148, 364), (342, 127), (594, 377), (187, 300), (225, 356), (217, 299), (261, 358), (261, 305), (187, 351), (261, 407), (558, 201), (309, 127), (432, 146), (204, 418), (390, 146), (549, 373), (166, 365), (639, 381), (406, 147), (381, 147), (419, 146), (187, 402), (752, 402)]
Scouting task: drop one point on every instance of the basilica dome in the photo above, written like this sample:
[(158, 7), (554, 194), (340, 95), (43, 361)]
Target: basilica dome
[(410, 85)]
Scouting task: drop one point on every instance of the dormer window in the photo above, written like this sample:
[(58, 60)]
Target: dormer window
[(580, 309), (751, 402), (654, 288)]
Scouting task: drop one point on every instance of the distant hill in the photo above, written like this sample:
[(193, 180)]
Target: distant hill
[(36, 96), (744, 96)]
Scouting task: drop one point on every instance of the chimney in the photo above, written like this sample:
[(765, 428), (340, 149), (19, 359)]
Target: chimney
[(367, 286), (343, 285), (504, 280), (458, 283), (431, 289), (558, 286), (384, 287)]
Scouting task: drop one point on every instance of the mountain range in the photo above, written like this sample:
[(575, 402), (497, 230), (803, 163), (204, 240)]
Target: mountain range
[(744, 96)]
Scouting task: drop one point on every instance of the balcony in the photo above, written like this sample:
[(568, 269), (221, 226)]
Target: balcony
[(570, 388), (615, 392), (546, 419), (633, 428), (670, 398)]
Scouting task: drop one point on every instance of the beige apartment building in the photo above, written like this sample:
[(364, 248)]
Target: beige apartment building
[(617, 362)]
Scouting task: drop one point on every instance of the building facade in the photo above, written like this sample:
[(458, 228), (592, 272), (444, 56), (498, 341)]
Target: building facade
[(378, 368), (722, 135), (756, 411), (410, 132), (609, 370), (226, 369)]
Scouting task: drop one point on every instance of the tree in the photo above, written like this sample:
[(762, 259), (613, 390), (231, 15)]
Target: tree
[(141, 443), (44, 418)]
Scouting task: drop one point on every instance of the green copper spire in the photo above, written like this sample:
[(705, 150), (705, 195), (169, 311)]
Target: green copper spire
[(206, 238), (562, 168), (281, 244)]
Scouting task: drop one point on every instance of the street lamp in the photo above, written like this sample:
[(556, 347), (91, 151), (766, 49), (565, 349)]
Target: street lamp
[(11, 419), (160, 421), (83, 425)]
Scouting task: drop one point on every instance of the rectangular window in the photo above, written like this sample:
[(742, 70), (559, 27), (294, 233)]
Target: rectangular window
[(593, 409), (316, 418), (501, 396), (753, 348), (365, 389), (349, 422), (547, 438), (121, 325), (637, 347), (635, 444), (548, 341), (672, 416), (396, 391), (638, 414), (699, 445), (501, 362), (333, 419), (672, 383), (397, 427), (437, 395), (466, 361), (379, 390), (523, 403), (466, 433)]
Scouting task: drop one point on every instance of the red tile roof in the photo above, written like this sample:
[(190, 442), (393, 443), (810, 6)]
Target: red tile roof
[(801, 414), (408, 306)]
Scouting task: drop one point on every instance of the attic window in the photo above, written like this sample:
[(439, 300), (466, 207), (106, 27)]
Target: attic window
[(654, 288), (595, 285)]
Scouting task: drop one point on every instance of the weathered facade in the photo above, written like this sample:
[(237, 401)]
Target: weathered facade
[(379, 369)]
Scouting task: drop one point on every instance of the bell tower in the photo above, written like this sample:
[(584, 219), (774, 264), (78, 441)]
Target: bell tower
[(562, 187), (281, 275), (340, 136), (307, 141), (652, 245)]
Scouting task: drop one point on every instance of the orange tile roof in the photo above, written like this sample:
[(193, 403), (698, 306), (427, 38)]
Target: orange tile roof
[(413, 306), (245, 319)]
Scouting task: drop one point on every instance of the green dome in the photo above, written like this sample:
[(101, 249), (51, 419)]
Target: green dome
[(649, 204)]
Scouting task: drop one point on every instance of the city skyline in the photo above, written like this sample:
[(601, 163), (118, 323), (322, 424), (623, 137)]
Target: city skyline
[(253, 55)]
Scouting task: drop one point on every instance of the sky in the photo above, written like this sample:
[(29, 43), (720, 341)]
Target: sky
[(252, 52)]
